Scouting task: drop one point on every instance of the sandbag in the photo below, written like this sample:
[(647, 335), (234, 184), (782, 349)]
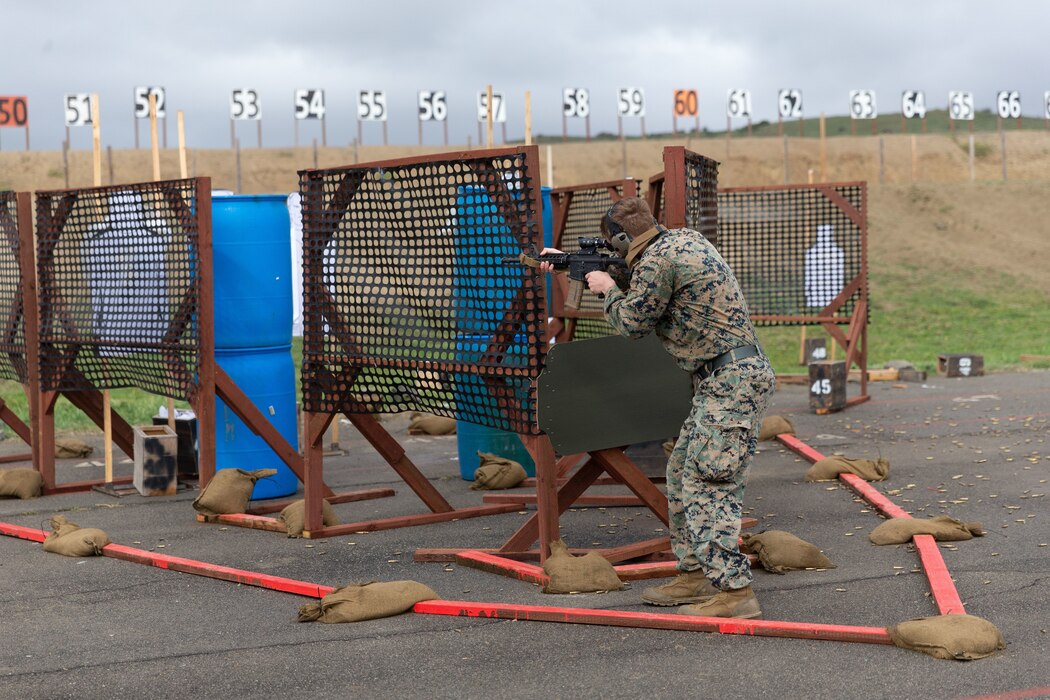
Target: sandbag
[(229, 491), (21, 483), (668, 446), (356, 602), (829, 468), (426, 424), (780, 551), (587, 574), (773, 426), (294, 517), (497, 472), (959, 637), (942, 527), (71, 540), (69, 448)]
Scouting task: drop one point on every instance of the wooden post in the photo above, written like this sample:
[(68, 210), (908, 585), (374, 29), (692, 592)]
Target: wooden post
[(802, 346), (109, 161), (973, 174), (528, 120), (1002, 149), (882, 161), (786, 166), (183, 171), (107, 418), (488, 117), (914, 159), (823, 151)]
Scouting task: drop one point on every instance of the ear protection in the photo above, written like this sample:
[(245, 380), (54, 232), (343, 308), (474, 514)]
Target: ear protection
[(618, 238)]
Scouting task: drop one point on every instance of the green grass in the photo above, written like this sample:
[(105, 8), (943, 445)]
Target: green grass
[(917, 313)]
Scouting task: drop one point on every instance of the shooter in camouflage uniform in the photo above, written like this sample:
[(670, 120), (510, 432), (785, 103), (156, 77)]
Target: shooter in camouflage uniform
[(681, 288)]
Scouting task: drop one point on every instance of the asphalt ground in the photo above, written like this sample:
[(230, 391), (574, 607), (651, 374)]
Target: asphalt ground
[(973, 448)]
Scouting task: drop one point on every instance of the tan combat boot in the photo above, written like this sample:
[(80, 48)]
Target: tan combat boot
[(690, 587), (740, 603)]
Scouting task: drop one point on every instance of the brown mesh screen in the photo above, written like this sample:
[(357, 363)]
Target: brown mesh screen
[(586, 207), (408, 305), (701, 195), (118, 282), (793, 249), (13, 339)]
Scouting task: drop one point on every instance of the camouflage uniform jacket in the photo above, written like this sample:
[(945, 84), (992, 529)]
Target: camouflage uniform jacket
[(682, 289)]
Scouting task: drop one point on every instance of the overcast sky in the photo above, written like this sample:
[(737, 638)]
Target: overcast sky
[(200, 51)]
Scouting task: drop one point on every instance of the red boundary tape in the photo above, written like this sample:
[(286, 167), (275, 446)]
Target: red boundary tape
[(941, 585), (187, 566), (618, 618)]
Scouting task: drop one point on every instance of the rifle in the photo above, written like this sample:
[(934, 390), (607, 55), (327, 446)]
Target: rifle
[(588, 259)]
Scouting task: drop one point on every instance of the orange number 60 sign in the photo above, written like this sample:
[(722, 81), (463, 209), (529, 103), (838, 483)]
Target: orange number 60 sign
[(685, 103)]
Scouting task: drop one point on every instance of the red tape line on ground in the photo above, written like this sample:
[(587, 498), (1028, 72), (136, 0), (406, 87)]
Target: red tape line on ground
[(188, 566), (941, 585), (617, 618)]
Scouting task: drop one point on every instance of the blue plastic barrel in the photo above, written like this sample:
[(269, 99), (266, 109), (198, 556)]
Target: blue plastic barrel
[(252, 271), (267, 377), (471, 437)]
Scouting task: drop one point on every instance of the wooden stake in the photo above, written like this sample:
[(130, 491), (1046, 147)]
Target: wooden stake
[(802, 346), (488, 117), (153, 136), (181, 128), (528, 119), (914, 159), (107, 419), (823, 151)]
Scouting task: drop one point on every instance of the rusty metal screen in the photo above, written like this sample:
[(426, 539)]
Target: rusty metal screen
[(408, 304), (13, 340), (119, 289), (795, 249), (701, 195), (579, 211)]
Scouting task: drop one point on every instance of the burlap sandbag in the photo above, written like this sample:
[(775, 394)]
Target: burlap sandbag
[(68, 448), (780, 551), (367, 601), (942, 527), (773, 426), (959, 637), (668, 446), (426, 424), (586, 574), (497, 472), (294, 517), (829, 468), (229, 491), (21, 483), (71, 540)]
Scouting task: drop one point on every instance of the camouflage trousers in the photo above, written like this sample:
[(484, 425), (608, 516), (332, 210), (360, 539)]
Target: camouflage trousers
[(708, 468)]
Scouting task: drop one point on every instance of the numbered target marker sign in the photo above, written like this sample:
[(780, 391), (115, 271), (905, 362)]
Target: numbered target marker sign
[(630, 102), (738, 104), (371, 106), (862, 104), (499, 107), (1046, 104), (789, 103), (78, 109), (309, 103), (432, 106), (685, 103), (244, 104), (576, 102), (14, 110), (960, 105), (913, 104), (142, 94), (1008, 104)]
